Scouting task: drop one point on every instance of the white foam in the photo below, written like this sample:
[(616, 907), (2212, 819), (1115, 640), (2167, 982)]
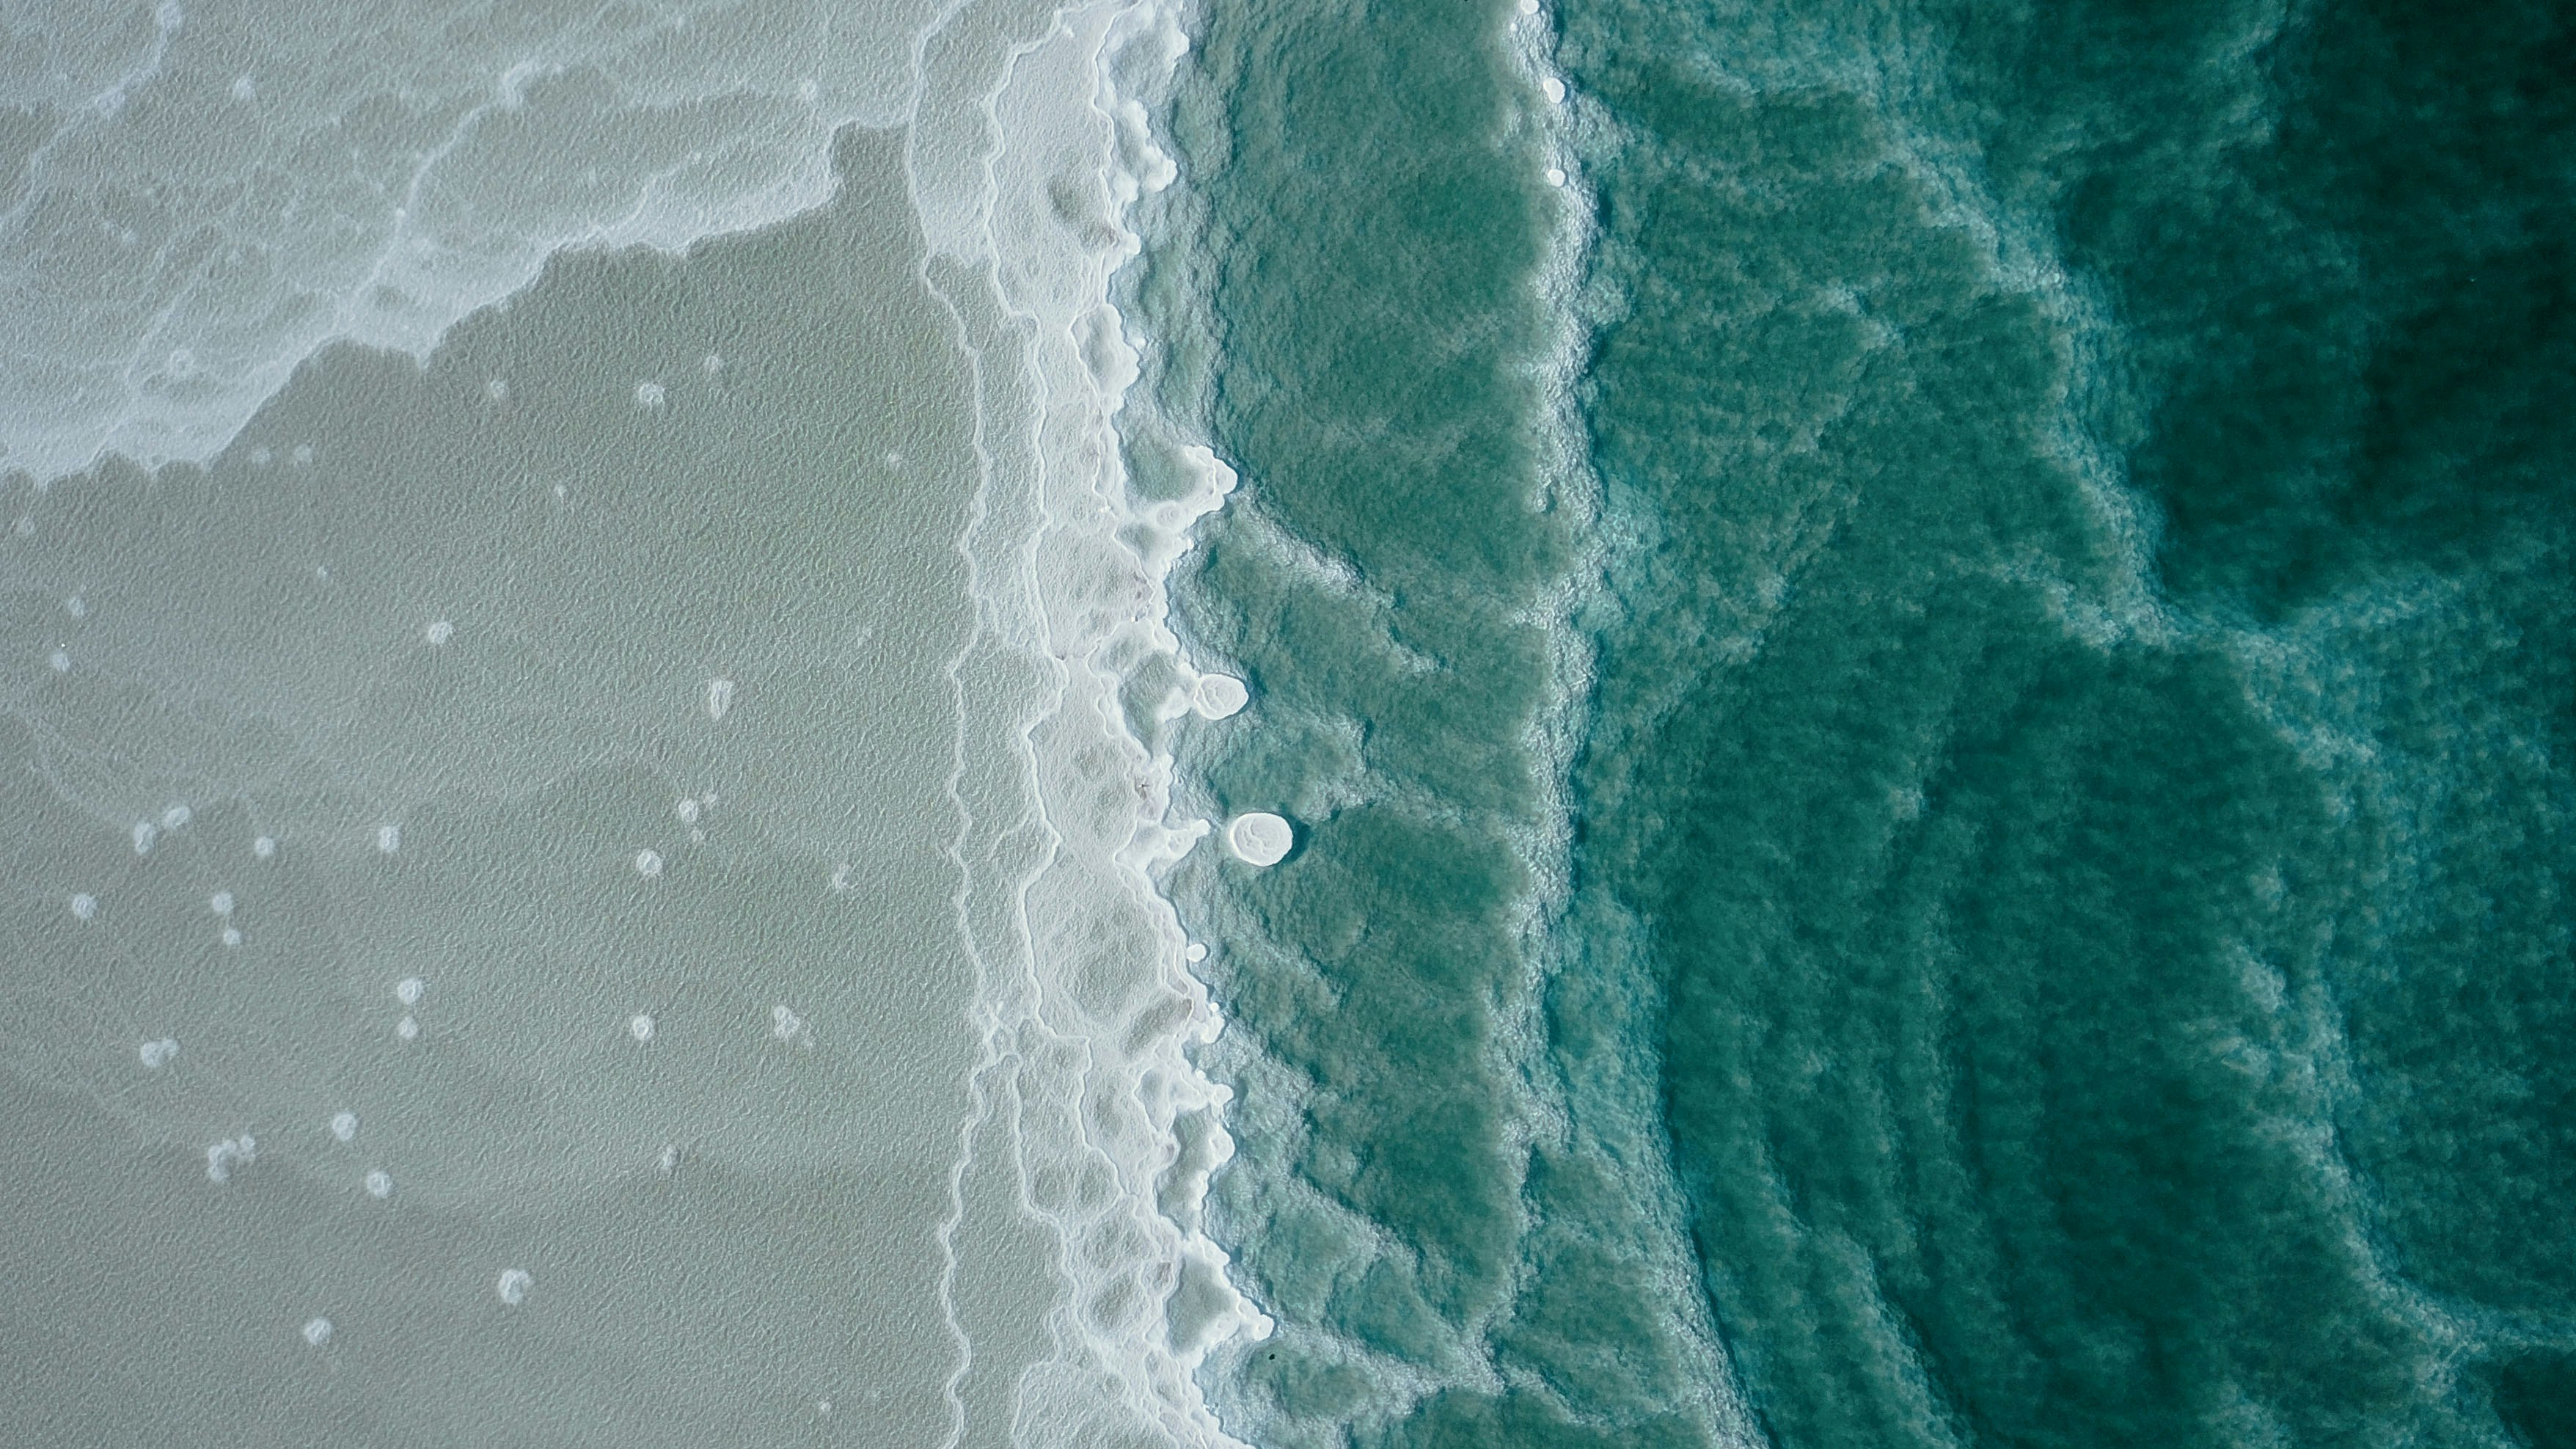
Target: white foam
[(439, 632), (1259, 838), (230, 936), (408, 990), (785, 1024), (640, 1027), (344, 1126), (263, 847), (648, 396), (76, 606), (379, 1184), (61, 661), (145, 832), (514, 1285), (176, 816), (221, 902), (156, 1053), (84, 906), (648, 863), (317, 1331), (719, 698), (408, 1028), (388, 838)]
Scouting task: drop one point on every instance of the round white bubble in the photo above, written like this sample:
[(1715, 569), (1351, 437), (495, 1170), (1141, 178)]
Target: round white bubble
[(648, 863), (264, 847), (1258, 837), (407, 1028), (784, 1023), (317, 1332), (176, 816), (380, 1184), (388, 838), (439, 632), (408, 990), (719, 697), (1555, 176), (1217, 696), (688, 811), (640, 1027), (222, 902), (84, 906), (144, 834), (231, 936), (344, 1125), (514, 1285), (155, 1053)]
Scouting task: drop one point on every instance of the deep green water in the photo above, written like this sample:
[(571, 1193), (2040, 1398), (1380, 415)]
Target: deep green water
[(1987, 864)]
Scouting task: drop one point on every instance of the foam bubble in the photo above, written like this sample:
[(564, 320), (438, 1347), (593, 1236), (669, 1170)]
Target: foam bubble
[(514, 1285), (84, 906), (498, 389), (784, 1024), (263, 847), (439, 632), (1259, 838), (1196, 953), (640, 1027), (245, 89), (231, 936), (76, 606), (380, 1184), (408, 1029), (344, 1125), (62, 662), (388, 838), (719, 697), (221, 902), (1217, 696), (1555, 176), (155, 1053), (176, 816), (1555, 90), (648, 395), (144, 834), (317, 1331), (688, 811), (409, 989), (648, 863), (713, 364)]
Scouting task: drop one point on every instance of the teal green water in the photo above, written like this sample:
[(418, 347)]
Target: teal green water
[(2044, 919)]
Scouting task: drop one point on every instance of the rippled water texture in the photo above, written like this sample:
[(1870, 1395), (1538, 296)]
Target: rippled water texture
[(2059, 934)]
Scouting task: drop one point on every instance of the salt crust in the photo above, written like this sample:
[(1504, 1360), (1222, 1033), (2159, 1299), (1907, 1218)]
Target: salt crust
[(1086, 1000)]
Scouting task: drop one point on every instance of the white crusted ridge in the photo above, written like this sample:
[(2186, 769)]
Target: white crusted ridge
[(1086, 1003)]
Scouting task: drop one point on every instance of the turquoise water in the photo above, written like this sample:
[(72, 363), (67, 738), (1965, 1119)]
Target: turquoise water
[(1961, 839)]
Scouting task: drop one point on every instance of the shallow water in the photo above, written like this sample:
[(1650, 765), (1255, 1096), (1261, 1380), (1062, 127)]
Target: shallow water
[(2051, 929)]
